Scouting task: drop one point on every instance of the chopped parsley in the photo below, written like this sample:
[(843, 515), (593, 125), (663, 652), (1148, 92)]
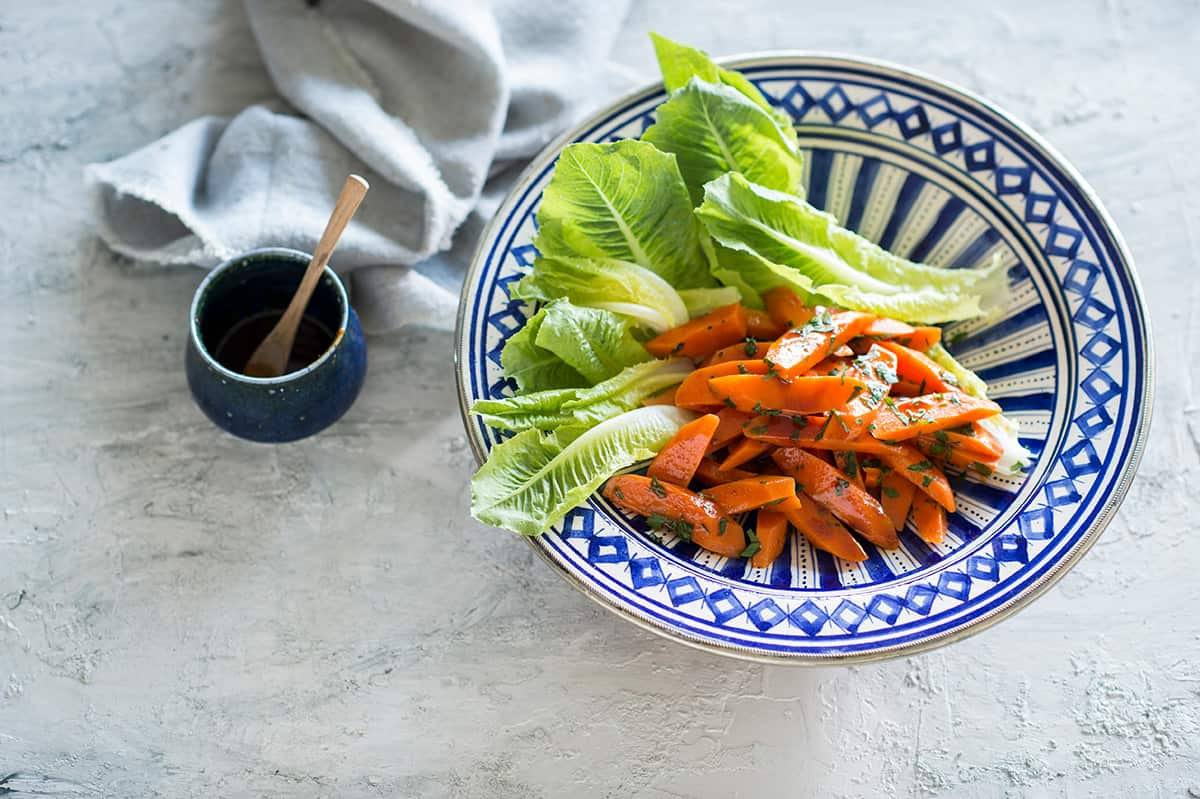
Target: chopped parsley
[(618, 493), (980, 468), (821, 433), (890, 492), (658, 490), (729, 402), (922, 466), (721, 525), (758, 430), (751, 347), (840, 486), (742, 369), (753, 547), (927, 480), (851, 464)]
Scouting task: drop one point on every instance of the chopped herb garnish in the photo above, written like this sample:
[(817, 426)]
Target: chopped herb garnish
[(729, 402), (677, 348), (771, 372), (821, 433), (742, 369), (834, 415), (753, 546), (923, 466), (751, 347), (851, 464), (721, 525), (657, 488), (941, 436), (892, 493), (927, 480), (618, 493), (854, 394), (840, 486), (758, 430), (921, 389), (1018, 467), (980, 468)]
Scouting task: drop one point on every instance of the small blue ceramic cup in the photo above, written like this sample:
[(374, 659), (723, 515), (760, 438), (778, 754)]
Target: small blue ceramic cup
[(234, 309)]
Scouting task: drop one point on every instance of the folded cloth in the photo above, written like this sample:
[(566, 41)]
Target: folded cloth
[(425, 99)]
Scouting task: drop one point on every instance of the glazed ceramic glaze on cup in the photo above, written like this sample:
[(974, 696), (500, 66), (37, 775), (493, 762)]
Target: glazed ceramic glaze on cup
[(239, 303)]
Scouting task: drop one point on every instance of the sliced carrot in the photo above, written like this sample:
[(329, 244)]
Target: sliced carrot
[(743, 451), (771, 527), (801, 348), (695, 392), (896, 495), (709, 473), (664, 398), (911, 464), (918, 368), (832, 366), (833, 489), (917, 338), (730, 429), (740, 496), (872, 476), (929, 519), (709, 526), (964, 461), (747, 348), (830, 431), (702, 336), (877, 370), (677, 461), (984, 448), (759, 324), (908, 417), (905, 388), (818, 525), (786, 307), (847, 461), (802, 395)]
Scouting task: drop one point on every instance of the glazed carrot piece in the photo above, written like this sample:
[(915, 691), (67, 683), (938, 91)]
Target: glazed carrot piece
[(847, 461), (831, 366), (683, 512), (702, 336), (677, 461), (911, 464), (786, 307), (908, 417), (664, 398), (801, 348), (743, 451), (740, 496), (730, 429), (905, 388), (709, 473), (802, 395), (917, 338), (771, 527), (819, 526), (833, 489), (917, 368), (963, 461), (695, 393), (984, 448), (872, 477), (830, 431), (759, 324), (747, 348), (896, 496), (877, 370), (930, 520)]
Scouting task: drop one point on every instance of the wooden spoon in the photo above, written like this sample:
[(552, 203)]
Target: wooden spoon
[(271, 357)]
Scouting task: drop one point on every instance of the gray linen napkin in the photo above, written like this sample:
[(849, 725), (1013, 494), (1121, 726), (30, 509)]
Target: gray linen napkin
[(425, 99)]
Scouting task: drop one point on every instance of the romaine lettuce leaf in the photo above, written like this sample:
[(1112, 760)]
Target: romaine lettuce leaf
[(787, 233), (701, 301), (535, 368), (620, 286), (713, 128), (594, 342), (548, 410), (624, 200), (530, 481), (680, 63)]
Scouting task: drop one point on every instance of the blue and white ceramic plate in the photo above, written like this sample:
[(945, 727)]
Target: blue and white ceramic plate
[(936, 174)]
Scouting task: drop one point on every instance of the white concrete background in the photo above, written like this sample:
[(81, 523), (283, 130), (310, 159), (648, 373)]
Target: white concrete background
[(183, 614)]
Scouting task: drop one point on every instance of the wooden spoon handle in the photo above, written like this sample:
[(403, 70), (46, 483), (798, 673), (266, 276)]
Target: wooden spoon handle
[(353, 191), (270, 358)]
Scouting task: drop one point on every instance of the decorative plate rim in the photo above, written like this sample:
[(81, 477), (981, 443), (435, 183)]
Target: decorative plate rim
[(1120, 488)]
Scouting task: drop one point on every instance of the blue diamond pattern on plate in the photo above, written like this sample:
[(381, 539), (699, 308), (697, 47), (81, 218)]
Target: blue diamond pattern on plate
[(950, 181)]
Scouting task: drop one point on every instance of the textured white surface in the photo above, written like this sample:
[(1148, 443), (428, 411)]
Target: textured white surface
[(183, 614)]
